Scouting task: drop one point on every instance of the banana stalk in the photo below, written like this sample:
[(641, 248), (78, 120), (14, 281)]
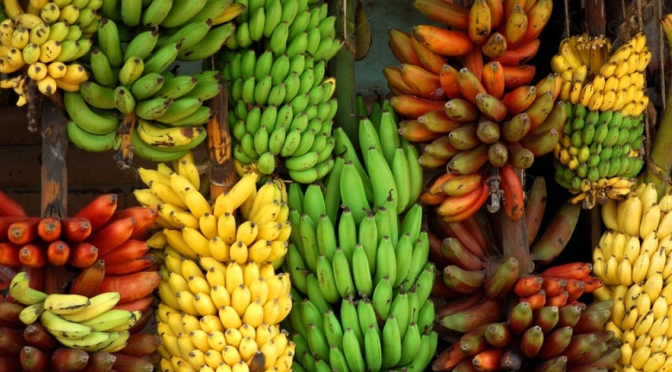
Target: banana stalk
[(660, 154), (342, 68), (222, 170)]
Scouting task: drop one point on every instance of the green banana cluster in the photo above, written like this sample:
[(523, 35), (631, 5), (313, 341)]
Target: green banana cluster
[(130, 79), (281, 101), (77, 322), (349, 251), (597, 146), (361, 338)]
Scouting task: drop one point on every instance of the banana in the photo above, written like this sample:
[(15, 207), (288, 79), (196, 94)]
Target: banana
[(63, 328), (20, 290)]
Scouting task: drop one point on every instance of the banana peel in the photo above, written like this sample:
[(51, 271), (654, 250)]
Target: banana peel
[(363, 37)]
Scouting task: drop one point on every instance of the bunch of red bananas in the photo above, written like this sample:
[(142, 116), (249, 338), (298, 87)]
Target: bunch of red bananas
[(544, 327), (465, 91), (107, 245), (33, 349)]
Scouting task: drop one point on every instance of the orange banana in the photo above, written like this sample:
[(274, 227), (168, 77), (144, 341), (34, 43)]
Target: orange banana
[(470, 85), (432, 199), (429, 163), (455, 205), (437, 121), (520, 99), (449, 78), (549, 84), (395, 81), (519, 156), (413, 131), (493, 79), (431, 61), (515, 27), (444, 12), (476, 204), (495, 47), (514, 200), (469, 161), (434, 186), (520, 55), (461, 185), (400, 44), (421, 80), (537, 18), (516, 76), (491, 107), (496, 12), (509, 6), (480, 24), (528, 5), (542, 143), (474, 62), (414, 107), (444, 42)]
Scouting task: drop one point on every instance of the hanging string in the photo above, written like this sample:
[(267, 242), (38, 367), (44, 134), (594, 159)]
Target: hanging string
[(661, 51), (640, 16), (567, 30)]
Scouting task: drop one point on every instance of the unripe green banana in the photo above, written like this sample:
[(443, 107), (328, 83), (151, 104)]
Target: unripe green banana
[(97, 96), (153, 108), (189, 35), (361, 271), (273, 17), (205, 90), (236, 67), (156, 12), (102, 70), (262, 90), (305, 176), (300, 102), (299, 25), (131, 12), (261, 140), (91, 142), (177, 87), (382, 297), (148, 152), (306, 142), (247, 144), (327, 27), (400, 310), (162, 58), (292, 140), (131, 71), (257, 23), (280, 69), (124, 100), (290, 9), (278, 40), (266, 163), (180, 109), (409, 344), (373, 349), (199, 117), (276, 140), (242, 35), (86, 119), (302, 162), (253, 120), (269, 117), (285, 116), (297, 45), (248, 90), (182, 11), (292, 86)]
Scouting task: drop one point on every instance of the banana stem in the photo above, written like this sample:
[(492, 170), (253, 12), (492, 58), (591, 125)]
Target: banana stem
[(222, 170), (342, 67), (661, 156), (124, 155)]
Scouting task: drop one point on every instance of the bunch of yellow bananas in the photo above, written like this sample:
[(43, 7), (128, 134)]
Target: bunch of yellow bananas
[(44, 38), (221, 301), (600, 79), (635, 262)]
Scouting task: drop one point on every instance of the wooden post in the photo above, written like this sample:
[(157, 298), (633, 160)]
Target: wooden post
[(54, 196), (596, 21), (342, 67), (222, 171)]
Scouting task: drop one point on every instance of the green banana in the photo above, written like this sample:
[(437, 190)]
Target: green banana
[(373, 349), (326, 280), (97, 96), (109, 42), (188, 35), (180, 109), (146, 86), (182, 11), (102, 70), (85, 118), (124, 100), (156, 12), (162, 58), (131, 12)]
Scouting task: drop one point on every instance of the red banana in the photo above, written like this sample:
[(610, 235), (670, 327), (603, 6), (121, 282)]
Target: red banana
[(457, 254), (9, 254), (67, 360), (99, 361), (400, 44), (142, 305), (556, 236), (500, 282), (579, 346), (23, 232), (448, 359), (464, 137), (434, 186), (76, 230), (466, 320), (11, 340), (528, 285), (58, 253), (555, 120), (496, 13), (6, 222), (421, 80), (474, 342), (514, 199), (83, 255), (592, 321), (553, 286), (520, 55), (413, 131), (546, 318), (493, 79), (462, 281), (10, 207), (569, 315), (519, 99), (520, 318), (127, 363), (445, 12), (431, 61), (472, 210), (141, 344), (574, 270), (555, 343), (456, 205), (88, 281), (130, 267), (557, 364), (535, 207), (413, 107), (517, 76), (437, 121), (450, 82), (37, 336), (470, 85), (491, 107), (480, 23), (540, 109), (144, 218), (488, 360), (460, 110), (512, 360), (33, 256), (99, 210), (559, 300), (495, 47), (516, 129), (591, 284), (536, 301), (112, 235), (33, 360), (459, 231), (476, 232), (442, 148), (49, 229), (457, 305), (132, 286), (537, 18), (574, 289), (520, 157), (515, 25), (531, 342), (473, 61), (128, 251), (441, 41), (488, 131), (498, 334), (429, 162)]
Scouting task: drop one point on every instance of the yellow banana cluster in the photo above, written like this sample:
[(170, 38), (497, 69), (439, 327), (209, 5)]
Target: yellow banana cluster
[(39, 41), (634, 260), (601, 79), (221, 300)]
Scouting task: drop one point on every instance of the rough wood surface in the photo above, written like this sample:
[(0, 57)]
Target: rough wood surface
[(222, 170)]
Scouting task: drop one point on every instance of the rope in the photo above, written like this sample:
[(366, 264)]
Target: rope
[(567, 30), (661, 51), (640, 17)]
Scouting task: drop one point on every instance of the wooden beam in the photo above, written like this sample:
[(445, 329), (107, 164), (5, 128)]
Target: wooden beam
[(596, 21)]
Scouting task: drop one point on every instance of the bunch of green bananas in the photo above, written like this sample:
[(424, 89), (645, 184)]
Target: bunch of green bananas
[(281, 102), (39, 41), (78, 322), (133, 81), (605, 96)]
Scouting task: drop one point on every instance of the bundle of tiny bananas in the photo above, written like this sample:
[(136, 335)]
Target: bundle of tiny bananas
[(282, 106), (137, 42), (601, 145), (78, 322), (633, 259), (39, 41)]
